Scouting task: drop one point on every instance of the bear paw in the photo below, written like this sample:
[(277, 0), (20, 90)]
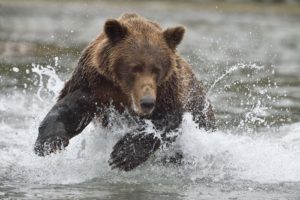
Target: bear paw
[(50, 145), (132, 150)]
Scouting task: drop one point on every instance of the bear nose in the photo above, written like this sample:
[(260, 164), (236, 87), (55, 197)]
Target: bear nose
[(147, 103)]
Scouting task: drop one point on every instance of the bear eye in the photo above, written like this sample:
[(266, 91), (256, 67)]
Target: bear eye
[(137, 69), (155, 70)]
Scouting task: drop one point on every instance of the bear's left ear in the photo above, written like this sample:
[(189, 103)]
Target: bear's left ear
[(114, 30), (173, 36)]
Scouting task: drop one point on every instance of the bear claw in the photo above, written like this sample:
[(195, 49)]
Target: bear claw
[(132, 150), (50, 145)]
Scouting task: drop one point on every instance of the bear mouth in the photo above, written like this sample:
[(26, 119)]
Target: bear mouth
[(144, 110)]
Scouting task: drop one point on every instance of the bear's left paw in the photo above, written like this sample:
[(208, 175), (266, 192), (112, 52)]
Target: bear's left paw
[(132, 150)]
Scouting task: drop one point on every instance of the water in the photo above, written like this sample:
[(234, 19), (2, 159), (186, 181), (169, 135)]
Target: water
[(249, 64)]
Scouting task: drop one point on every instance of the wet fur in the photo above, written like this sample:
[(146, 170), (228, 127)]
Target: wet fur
[(98, 75)]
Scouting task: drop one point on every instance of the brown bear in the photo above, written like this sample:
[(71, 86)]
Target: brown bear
[(133, 65)]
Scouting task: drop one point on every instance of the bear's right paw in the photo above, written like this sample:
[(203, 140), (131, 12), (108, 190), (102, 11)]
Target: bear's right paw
[(50, 145)]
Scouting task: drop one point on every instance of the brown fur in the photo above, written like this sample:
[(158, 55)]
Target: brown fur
[(134, 65), (134, 45)]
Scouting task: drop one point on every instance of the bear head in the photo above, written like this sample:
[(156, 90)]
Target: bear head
[(139, 56)]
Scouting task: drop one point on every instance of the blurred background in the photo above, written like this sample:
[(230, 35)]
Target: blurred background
[(247, 52)]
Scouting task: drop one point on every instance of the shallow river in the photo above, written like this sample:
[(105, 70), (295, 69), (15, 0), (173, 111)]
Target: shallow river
[(249, 62)]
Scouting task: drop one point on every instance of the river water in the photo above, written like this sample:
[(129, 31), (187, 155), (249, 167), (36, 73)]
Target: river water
[(249, 62)]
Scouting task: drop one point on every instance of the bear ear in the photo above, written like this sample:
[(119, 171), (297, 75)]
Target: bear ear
[(173, 36), (114, 30)]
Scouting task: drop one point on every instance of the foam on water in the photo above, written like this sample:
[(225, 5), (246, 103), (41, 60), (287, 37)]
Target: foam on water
[(223, 155), (273, 156)]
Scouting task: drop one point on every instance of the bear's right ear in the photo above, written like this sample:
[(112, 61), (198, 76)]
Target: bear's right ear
[(114, 30)]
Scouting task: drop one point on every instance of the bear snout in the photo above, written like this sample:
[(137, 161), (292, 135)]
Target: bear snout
[(147, 104)]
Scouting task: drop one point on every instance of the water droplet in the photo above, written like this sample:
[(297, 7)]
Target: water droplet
[(15, 69)]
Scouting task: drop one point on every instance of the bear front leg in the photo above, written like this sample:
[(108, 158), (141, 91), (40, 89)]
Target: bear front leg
[(199, 106), (137, 146), (133, 149), (202, 112), (67, 118)]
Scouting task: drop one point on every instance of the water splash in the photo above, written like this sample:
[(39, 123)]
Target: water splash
[(251, 116), (226, 155), (48, 80), (219, 156), (231, 70)]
